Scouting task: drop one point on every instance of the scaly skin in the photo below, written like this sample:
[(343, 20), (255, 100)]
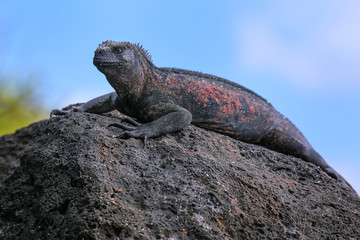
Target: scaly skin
[(168, 100)]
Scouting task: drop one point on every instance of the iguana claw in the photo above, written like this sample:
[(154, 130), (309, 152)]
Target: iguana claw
[(130, 131)]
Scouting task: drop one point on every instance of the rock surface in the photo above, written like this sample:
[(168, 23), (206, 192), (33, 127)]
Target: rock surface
[(68, 178)]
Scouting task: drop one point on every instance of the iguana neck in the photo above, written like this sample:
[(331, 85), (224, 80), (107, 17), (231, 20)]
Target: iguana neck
[(128, 83)]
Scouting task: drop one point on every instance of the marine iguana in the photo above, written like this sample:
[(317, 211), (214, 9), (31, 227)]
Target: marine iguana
[(167, 100)]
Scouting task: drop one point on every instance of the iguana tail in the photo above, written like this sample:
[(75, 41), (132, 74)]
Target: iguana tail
[(299, 147)]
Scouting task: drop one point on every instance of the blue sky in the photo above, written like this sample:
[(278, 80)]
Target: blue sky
[(302, 56)]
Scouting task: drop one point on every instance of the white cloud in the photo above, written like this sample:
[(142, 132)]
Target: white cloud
[(314, 45)]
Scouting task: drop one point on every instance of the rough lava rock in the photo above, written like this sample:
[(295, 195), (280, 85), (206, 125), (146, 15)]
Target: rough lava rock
[(68, 178)]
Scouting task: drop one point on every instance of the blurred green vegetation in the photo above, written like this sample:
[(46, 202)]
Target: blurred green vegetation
[(19, 103)]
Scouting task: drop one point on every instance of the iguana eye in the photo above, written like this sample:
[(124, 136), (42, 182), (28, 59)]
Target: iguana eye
[(118, 50)]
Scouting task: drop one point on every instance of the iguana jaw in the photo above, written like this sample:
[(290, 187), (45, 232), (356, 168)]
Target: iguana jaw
[(106, 61)]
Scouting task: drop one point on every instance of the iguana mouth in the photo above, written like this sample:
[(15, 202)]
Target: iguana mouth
[(107, 61)]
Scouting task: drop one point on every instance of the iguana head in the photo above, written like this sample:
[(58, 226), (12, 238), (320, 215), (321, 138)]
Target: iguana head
[(123, 64)]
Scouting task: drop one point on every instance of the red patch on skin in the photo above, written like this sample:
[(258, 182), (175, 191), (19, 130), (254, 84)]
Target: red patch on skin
[(205, 91), (253, 107), (252, 110)]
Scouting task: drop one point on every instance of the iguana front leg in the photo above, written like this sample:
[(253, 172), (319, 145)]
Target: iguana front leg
[(172, 118), (102, 104)]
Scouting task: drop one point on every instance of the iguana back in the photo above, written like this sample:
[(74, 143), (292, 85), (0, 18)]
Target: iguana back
[(222, 106)]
